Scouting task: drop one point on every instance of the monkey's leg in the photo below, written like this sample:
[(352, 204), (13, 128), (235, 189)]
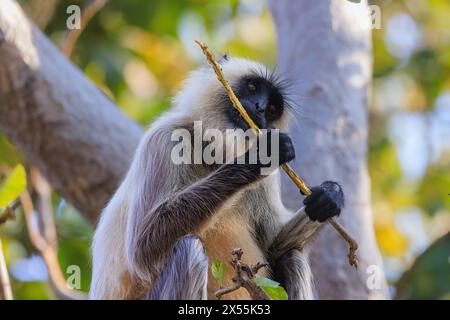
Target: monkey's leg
[(289, 259), (292, 271), (185, 275)]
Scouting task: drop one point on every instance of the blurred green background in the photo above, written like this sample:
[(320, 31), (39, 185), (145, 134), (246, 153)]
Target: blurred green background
[(139, 51)]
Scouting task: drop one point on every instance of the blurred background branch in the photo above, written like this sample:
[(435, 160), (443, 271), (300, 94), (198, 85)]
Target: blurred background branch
[(42, 232), (5, 283), (87, 152), (92, 7)]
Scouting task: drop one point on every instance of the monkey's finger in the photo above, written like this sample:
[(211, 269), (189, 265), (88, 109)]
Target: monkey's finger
[(316, 193), (322, 211), (315, 208), (326, 212), (323, 203)]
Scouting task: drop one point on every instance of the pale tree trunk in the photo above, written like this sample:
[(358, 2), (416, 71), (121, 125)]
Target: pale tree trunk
[(325, 48), (58, 119)]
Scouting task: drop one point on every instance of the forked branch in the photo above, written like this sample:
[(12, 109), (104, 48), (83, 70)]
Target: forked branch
[(244, 273)]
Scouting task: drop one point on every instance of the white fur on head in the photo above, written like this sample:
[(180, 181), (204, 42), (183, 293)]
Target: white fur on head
[(204, 98), (203, 92)]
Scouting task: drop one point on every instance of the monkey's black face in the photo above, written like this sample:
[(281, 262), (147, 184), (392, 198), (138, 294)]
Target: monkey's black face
[(262, 100)]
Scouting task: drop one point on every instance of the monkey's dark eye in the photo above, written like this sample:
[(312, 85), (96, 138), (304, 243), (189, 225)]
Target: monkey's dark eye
[(251, 87), (271, 108)]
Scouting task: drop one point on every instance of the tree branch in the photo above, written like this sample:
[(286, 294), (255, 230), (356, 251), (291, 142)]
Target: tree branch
[(67, 128), (45, 240), (243, 278), (72, 36)]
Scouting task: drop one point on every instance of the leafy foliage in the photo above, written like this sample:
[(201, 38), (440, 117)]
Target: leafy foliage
[(14, 185), (218, 269), (271, 288), (430, 276)]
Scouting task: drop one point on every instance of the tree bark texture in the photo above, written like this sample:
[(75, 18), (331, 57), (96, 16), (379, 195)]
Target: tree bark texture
[(324, 47), (58, 119)]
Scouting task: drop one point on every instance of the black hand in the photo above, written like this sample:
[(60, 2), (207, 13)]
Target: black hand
[(326, 201), (286, 151)]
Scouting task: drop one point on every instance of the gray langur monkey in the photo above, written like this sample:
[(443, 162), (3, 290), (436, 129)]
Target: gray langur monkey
[(166, 221)]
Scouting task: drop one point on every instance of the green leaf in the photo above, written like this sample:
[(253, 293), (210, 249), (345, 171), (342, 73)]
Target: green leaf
[(13, 186), (218, 271), (271, 288), (265, 282), (276, 293)]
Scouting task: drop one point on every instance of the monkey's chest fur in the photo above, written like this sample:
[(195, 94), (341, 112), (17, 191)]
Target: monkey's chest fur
[(245, 223), (219, 241)]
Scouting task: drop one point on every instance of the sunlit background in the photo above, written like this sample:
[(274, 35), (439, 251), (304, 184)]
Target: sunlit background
[(139, 51)]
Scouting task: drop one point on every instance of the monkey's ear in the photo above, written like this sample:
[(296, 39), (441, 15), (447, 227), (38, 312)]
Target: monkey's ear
[(225, 57)]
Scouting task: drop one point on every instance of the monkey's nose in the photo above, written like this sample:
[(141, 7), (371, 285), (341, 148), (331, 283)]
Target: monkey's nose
[(259, 108)]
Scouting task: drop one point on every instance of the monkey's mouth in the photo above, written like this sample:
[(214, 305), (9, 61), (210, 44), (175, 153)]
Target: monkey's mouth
[(238, 122)]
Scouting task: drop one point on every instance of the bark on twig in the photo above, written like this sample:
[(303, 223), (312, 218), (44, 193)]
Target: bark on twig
[(44, 239), (72, 36), (243, 277), (62, 124), (353, 246)]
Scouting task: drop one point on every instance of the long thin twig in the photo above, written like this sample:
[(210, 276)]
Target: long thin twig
[(72, 35), (5, 284), (244, 273), (44, 205), (45, 240), (353, 245)]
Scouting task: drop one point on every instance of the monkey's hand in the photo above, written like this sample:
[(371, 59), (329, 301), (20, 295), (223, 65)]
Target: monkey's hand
[(286, 150), (326, 201), (275, 155), (283, 151)]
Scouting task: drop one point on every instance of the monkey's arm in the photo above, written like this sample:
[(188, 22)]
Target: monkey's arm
[(326, 201), (287, 256), (295, 234), (155, 234), (159, 217)]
